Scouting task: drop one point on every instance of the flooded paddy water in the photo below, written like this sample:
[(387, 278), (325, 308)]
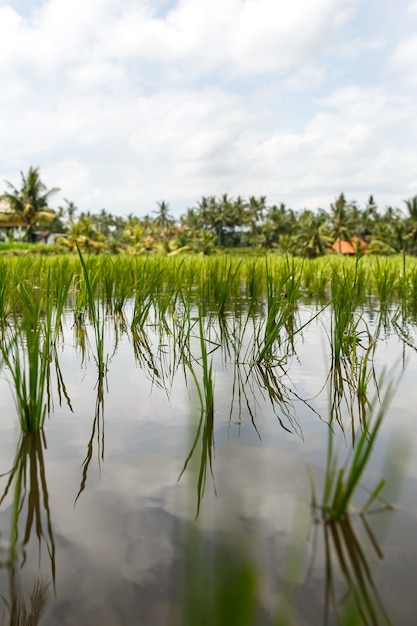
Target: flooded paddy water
[(181, 476)]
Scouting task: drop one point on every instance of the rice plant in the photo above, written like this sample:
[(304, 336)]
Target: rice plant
[(361, 601), (205, 428), (94, 313), (26, 352), (341, 481)]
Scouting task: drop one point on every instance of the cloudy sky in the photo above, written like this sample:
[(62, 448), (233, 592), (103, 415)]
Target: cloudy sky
[(123, 103)]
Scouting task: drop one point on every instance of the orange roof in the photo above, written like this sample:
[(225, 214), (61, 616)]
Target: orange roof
[(349, 247)]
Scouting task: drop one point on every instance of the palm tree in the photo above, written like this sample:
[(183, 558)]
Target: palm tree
[(341, 220), (163, 219), (69, 210), (255, 213), (411, 225), (312, 237), (29, 204), (278, 226)]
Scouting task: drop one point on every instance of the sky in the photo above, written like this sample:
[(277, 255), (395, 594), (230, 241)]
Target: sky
[(125, 103)]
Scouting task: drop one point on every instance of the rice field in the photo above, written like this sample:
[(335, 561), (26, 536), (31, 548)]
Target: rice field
[(207, 440)]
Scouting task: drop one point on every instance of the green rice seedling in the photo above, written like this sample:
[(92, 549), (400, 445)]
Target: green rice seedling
[(6, 306), (344, 323), (107, 285), (26, 353), (385, 276), (96, 319), (352, 372), (408, 303), (167, 297), (291, 280), (275, 321), (26, 348), (90, 290), (225, 287), (114, 281), (254, 279), (361, 283), (124, 287), (404, 272), (219, 284), (205, 428), (316, 280), (342, 482), (283, 294), (188, 275), (407, 291), (269, 335), (58, 288), (342, 544), (146, 287)]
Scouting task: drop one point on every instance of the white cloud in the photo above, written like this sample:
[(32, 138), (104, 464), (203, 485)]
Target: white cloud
[(404, 60), (128, 102), (239, 36), (413, 7)]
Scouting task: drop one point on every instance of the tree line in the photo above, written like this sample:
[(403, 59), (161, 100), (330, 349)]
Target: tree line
[(214, 222)]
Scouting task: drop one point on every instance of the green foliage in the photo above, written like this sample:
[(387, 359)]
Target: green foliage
[(29, 204), (215, 222)]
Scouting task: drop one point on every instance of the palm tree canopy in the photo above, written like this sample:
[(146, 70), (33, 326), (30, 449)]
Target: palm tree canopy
[(30, 202)]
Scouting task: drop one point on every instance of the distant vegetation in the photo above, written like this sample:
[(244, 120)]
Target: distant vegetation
[(213, 223)]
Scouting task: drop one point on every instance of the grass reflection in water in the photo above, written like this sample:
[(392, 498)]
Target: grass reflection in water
[(27, 487)]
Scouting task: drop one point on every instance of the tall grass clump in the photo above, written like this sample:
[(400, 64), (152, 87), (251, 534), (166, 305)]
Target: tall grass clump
[(347, 549), (316, 280), (25, 352), (254, 279), (201, 371), (219, 286), (279, 328), (278, 313), (6, 306), (344, 323), (93, 306), (342, 481), (385, 275), (343, 546)]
